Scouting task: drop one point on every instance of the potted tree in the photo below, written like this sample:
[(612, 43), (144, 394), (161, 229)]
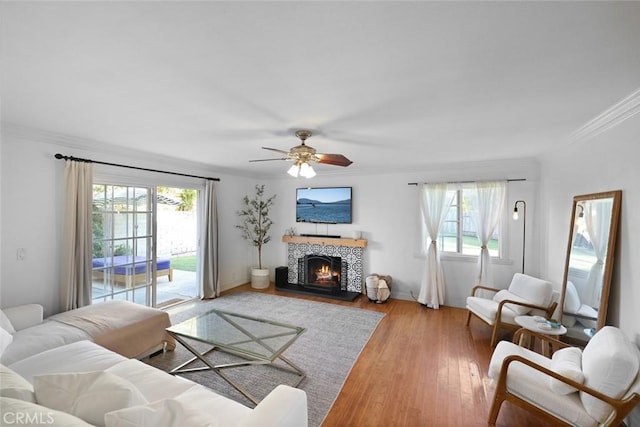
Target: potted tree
[(255, 228)]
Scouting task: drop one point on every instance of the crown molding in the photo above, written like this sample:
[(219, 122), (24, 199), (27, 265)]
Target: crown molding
[(611, 117), (76, 144)]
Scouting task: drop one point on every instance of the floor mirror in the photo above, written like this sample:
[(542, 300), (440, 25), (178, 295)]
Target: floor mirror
[(589, 263)]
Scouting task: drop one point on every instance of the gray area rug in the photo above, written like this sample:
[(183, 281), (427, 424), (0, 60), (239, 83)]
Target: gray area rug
[(333, 341)]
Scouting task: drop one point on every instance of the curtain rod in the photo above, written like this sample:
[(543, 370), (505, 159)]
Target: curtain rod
[(471, 182), (78, 159)]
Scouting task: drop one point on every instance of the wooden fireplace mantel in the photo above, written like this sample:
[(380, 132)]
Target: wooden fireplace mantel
[(327, 241)]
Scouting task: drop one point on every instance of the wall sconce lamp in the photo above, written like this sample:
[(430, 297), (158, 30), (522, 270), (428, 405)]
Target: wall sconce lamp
[(524, 225)]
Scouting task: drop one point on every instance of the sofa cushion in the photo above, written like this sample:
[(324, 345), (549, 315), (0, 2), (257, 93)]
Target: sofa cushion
[(568, 363), (504, 349), (87, 395), (538, 291), (14, 386), (39, 338), (5, 323), (5, 339), (153, 383), (518, 309), (487, 310), (22, 413), (610, 364), (162, 413), (77, 357), (202, 399)]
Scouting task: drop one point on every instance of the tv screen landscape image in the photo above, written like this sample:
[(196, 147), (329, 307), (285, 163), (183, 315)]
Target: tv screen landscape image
[(329, 205)]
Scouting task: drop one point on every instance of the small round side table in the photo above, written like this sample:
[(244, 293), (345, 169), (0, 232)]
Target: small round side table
[(530, 323)]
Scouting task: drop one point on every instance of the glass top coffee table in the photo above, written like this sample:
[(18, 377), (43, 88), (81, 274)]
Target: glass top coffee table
[(256, 340)]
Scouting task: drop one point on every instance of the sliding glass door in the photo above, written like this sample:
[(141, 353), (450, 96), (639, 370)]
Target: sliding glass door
[(144, 244), (124, 262), (177, 241)]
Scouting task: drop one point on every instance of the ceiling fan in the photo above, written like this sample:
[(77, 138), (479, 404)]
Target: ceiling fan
[(303, 155)]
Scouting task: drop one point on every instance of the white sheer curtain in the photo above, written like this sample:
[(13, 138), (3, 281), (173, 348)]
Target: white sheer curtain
[(490, 205), (434, 204), (597, 218), (75, 274), (209, 244)]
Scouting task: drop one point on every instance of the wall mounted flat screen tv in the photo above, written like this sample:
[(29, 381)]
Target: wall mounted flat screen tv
[(327, 205)]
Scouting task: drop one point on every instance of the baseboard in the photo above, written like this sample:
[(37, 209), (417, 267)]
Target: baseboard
[(342, 296)]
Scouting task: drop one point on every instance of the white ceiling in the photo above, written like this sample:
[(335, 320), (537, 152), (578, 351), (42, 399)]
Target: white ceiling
[(391, 85)]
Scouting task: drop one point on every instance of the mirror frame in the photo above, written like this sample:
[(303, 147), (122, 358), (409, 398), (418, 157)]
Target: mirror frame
[(611, 248)]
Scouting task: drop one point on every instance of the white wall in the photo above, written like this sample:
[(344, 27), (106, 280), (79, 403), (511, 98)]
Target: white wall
[(385, 210), (606, 162), (31, 202)]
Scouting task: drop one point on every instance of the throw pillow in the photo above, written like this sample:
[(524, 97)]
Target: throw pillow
[(17, 412), (14, 386), (571, 298), (161, 413), (5, 339), (518, 309), (610, 363), (87, 395), (5, 323), (568, 363)]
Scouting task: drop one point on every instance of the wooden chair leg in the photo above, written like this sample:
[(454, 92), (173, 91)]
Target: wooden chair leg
[(468, 317), (494, 336), (498, 398)]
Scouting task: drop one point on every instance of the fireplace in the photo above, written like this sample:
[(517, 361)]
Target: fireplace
[(323, 273), (345, 258)]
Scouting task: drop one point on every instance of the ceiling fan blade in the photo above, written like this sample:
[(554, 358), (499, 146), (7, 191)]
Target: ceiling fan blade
[(268, 160), (275, 149), (333, 159)]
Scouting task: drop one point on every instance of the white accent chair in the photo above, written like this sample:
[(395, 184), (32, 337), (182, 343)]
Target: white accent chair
[(597, 386), (526, 295)]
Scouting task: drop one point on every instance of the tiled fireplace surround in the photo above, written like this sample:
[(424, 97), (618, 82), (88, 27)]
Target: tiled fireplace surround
[(350, 250)]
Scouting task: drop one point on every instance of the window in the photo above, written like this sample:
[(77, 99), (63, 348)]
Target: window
[(458, 233)]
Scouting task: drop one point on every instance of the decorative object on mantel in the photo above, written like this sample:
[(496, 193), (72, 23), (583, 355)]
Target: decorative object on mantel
[(291, 231), (255, 228), (303, 155)]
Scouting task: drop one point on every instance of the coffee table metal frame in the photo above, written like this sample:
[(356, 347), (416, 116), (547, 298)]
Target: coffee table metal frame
[(238, 347)]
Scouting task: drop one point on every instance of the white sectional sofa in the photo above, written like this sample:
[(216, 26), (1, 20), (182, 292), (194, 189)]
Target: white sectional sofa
[(130, 329), (82, 383)]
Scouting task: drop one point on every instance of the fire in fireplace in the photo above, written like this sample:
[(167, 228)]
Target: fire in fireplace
[(322, 272)]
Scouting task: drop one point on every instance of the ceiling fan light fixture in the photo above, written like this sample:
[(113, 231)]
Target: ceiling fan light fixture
[(294, 170), (303, 156), (306, 170)]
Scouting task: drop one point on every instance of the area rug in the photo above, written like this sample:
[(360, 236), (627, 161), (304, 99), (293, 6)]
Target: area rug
[(327, 351)]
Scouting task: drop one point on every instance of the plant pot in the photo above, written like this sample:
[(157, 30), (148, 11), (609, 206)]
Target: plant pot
[(259, 278)]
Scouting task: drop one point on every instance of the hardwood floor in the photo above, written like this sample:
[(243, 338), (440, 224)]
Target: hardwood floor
[(421, 367)]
